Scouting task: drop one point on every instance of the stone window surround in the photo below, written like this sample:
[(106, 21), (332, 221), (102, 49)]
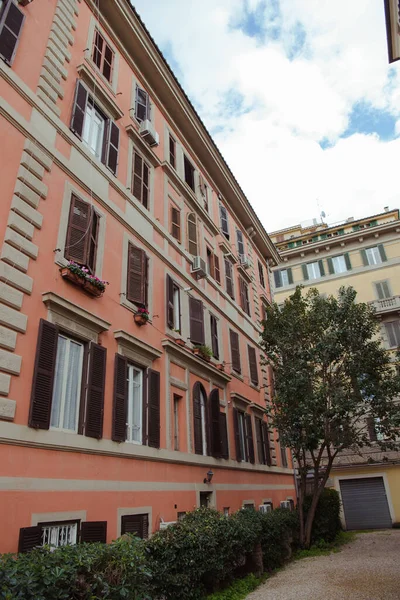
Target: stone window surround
[(387, 281), (69, 190), (133, 147), (93, 25), (127, 239), (55, 517), (136, 83), (141, 510), (135, 349)]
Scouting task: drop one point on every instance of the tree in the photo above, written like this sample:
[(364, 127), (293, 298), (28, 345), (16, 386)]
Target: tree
[(331, 377)]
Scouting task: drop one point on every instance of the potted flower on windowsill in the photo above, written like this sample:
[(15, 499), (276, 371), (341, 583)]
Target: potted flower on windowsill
[(142, 316), (203, 352), (80, 276)]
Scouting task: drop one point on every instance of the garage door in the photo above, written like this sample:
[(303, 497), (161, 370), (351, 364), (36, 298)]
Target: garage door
[(365, 504)]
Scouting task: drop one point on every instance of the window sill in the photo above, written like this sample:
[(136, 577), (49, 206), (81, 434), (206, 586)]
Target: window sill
[(75, 313), (240, 401), (127, 341), (102, 97), (188, 357)]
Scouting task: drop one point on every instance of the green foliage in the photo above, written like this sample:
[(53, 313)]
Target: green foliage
[(239, 589), (279, 535), (322, 548), (326, 523)]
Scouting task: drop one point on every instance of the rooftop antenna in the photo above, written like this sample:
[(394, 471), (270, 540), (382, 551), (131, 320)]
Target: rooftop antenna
[(323, 215)]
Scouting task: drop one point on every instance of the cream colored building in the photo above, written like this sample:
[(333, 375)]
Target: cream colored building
[(365, 254)]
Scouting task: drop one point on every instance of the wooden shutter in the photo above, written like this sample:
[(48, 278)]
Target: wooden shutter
[(197, 424), (137, 176), (153, 414), (240, 242), (93, 235), (176, 223), (330, 266), (215, 423), (29, 538), (261, 274), (235, 350), (249, 437), (77, 243), (371, 429), (95, 391), (229, 278), (142, 104), (111, 146), (79, 109), (278, 279), (284, 457), (267, 448), (305, 272), (382, 252), (253, 365), (43, 376), (136, 278), (217, 271), (259, 441), (224, 436), (364, 257), (196, 316), (137, 525), (120, 403), (242, 293), (238, 446), (214, 336), (192, 234), (94, 531), (170, 302), (290, 275), (382, 289), (224, 220), (11, 24), (321, 268), (347, 261)]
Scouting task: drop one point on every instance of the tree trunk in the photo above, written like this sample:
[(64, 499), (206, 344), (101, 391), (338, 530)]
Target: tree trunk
[(314, 502)]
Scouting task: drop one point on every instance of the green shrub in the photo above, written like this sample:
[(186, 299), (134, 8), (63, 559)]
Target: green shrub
[(279, 536), (327, 516), (239, 589)]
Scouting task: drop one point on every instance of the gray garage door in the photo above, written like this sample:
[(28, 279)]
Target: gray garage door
[(365, 504)]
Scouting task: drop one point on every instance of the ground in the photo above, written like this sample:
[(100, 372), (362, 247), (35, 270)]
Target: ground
[(365, 569)]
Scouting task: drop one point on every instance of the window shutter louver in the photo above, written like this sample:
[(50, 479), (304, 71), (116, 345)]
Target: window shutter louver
[(253, 365), (111, 146), (192, 234), (235, 351), (238, 446), (259, 442), (242, 294), (224, 436), (261, 274), (321, 268), (170, 302), (249, 437), (93, 235), (153, 417), (290, 275), (267, 448), (137, 267), (240, 242), (120, 404), (229, 278), (176, 223), (94, 531), (347, 261), (137, 176), (217, 271), (215, 423), (79, 109), (142, 104), (364, 258), (385, 289), (137, 525), (29, 538), (197, 425), (371, 429), (379, 290), (214, 336), (43, 376), (382, 253), (278, 279), (11, 24), (78, 231), (196, 316), (305, 272), (330, 266), (224, 221), (95, 391)]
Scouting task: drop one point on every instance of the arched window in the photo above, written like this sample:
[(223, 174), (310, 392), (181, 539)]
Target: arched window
[(210, 435), (200, 424)]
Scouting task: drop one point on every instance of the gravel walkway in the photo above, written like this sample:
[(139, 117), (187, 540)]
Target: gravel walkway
[(366, 569)]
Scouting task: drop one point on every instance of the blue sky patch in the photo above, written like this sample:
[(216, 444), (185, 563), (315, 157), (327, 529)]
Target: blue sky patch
[(365, 118), (263, 23), (297, 41)]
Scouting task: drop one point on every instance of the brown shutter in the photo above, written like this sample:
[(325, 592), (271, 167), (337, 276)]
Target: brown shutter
[(224, 220), (214, 336), (224, 436), (215, 426), (217, 271), (253, 365), (192, 234), (145, 185), (43, 376), (267, 449), (170, 302), (29, 538), (137, 525), (111, 146), (141, 104), (95, 391), (229, 278), (137, 176), (79, 109), (371, 429), (197, 429), (242, 293), (78, 232), (153, 411), (137, 266), (196, 316), (249, 437), (120, 404), (259, 441), (93, 235), (235, 351), (176, 223), (239, 456), (94, 531), (10, 29)]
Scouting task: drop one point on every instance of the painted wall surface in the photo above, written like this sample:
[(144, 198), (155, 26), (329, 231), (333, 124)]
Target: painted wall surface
[(56, 474)]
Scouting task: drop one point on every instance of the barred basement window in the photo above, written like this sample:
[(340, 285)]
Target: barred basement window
[(59, 534)]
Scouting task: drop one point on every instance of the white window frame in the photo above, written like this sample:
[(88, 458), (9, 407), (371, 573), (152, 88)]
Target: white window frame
[(395, 334), (92, 113), (339, 264), (132, 369), (373, 256), (312, 269), (111, 85), (177, 304)]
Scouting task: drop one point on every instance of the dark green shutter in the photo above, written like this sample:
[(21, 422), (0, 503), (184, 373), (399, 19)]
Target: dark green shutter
[(347, 261), (364, 257), (278, 279), (341, 231), (330, 266), (290, 275), (321, 268), (382, 252), (305, 272)]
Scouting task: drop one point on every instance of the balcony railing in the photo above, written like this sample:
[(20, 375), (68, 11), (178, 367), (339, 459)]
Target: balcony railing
[(387, 305)]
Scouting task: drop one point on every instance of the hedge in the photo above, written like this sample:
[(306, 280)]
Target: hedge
[(326, 523), (200, 554)]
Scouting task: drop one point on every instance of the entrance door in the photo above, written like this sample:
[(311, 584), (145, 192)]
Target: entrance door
[(365, 503)]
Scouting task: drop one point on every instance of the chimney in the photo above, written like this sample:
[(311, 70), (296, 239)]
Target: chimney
[(386, 208)]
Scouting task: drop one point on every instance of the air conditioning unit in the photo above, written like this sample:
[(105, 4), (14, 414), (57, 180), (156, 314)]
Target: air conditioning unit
[(148, 133), (244, 261), (165, 524), (286, 504), (265, 508), (199, 267)]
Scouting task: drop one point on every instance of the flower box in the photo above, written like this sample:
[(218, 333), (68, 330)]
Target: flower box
[(140, 319), (180, 342), (91, 289), (78, 276)]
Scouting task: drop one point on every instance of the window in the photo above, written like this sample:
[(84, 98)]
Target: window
[(240, 243), (61, 533), (284, 457), (82, 234), (313, 270), (60, 396), (200, 414), (173, 305), (226, 511), (196, 317), (203, 191), (224, 220), (243, 436), (140, 180), (137, 525), (137, 276), (136, 404), (176, 223), (213, 265), (374, 255), (253, 365), (393, 333), (192, 234), (339, 264), (261, 274), (383, 290), (373, 429), (11, 22), (244, 296), (177, 403), (172, 152), (262, 438), (214, 336), (208, 427), (283, 277), (229, 278), (142, 105), (235, 351), (189, 172), (99, 133), (103, 55)]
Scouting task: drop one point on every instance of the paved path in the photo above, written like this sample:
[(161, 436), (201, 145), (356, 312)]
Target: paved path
[(366, 569)]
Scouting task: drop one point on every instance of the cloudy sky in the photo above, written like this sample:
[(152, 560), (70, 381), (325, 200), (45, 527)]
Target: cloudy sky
[(297, 94)]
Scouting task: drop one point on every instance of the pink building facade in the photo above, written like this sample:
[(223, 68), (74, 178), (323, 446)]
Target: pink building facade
[(111, 423)]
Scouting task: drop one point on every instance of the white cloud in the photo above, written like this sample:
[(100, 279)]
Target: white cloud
[(273, 148)]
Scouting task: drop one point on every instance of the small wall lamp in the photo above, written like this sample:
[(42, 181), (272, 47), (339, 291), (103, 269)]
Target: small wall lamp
[(208, 477)]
